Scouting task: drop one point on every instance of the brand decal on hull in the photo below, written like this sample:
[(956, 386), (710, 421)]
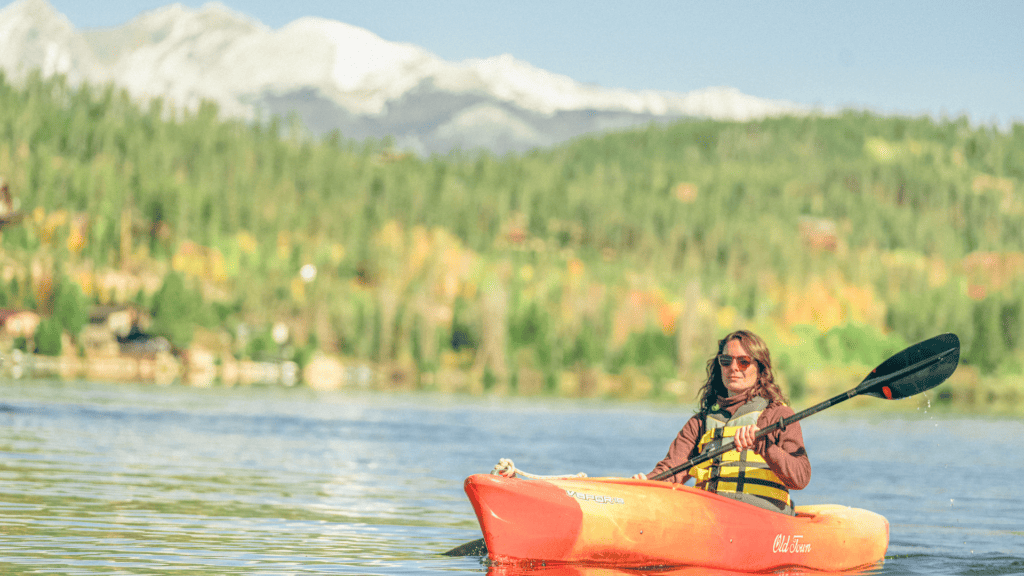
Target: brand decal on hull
[(788, 544), (595, 497)]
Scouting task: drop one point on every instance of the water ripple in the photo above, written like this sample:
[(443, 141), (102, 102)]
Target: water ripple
[(99, 479)]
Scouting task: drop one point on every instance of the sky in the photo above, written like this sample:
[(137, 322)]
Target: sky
[(941, 58)]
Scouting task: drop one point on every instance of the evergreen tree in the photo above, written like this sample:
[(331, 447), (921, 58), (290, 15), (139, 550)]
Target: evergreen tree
[(48, 337), (174, 311), (70, 307)]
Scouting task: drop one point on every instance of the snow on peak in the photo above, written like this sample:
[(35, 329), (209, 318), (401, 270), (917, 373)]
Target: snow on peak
[(514, 80), (35, 11), (210, 16), (35, 36), (187, 55), (365, 70)]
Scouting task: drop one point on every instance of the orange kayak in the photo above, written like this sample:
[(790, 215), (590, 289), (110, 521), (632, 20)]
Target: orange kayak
[(624, 522)]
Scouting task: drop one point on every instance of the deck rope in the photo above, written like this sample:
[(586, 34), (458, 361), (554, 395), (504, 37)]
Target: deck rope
[(505, 467)]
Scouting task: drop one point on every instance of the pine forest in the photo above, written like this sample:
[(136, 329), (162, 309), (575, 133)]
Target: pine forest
[(607, 266)]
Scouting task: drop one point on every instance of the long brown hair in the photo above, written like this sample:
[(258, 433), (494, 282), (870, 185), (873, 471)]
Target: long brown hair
[(765, 386)]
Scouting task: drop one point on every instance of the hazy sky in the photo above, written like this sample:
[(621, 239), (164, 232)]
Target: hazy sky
[(938, 57)]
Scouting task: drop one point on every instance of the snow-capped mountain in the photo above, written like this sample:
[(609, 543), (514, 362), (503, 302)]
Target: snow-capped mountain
[(337, 76)]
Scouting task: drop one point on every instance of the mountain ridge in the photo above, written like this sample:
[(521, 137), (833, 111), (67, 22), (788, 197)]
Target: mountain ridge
[(336, 76)]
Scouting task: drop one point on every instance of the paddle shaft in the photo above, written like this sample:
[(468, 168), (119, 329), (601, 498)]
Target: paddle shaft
[(766, 430), (869, 383)]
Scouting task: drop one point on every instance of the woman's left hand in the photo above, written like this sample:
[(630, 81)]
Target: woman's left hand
[(744, 439)]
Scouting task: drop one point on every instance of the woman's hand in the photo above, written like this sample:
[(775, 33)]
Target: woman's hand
[(744, 439), (640, 476)]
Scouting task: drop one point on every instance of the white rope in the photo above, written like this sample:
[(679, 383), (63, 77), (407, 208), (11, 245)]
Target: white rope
[(505, 467)]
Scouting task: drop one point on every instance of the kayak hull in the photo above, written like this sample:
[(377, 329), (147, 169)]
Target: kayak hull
[(624, 522)]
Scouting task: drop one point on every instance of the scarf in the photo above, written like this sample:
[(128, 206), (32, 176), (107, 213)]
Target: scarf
[(731, 403)]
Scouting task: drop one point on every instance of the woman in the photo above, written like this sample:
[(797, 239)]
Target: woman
[(739, 398)]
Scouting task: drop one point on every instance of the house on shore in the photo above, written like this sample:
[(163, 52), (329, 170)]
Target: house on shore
[(9, 214)]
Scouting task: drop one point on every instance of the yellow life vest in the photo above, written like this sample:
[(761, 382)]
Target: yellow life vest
[(743, 475)]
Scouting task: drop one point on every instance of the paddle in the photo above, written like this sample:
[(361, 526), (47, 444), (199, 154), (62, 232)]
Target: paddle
[(474, 548), (920, 367)]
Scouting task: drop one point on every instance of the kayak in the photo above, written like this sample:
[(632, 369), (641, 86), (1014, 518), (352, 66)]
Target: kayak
[(637, 523)]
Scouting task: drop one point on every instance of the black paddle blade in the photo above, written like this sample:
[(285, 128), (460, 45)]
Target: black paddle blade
[(920, 367), (474, 548)]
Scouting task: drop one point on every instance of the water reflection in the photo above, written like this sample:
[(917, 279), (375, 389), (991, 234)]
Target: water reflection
[(101, 479), (541, 569)]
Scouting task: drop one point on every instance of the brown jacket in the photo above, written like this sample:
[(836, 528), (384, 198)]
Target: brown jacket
[(782, 450)]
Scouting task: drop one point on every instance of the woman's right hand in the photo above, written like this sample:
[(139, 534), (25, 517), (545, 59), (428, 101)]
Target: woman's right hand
[(640, 476)]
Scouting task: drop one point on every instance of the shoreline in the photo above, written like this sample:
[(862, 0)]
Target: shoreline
[(966, 392)]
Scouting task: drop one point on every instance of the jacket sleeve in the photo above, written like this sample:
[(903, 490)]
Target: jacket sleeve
[(683, 447), (784, 450)]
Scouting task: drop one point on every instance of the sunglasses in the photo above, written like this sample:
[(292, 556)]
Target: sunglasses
[(742, 362)]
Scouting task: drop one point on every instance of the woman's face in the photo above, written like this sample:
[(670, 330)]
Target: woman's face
[(738, 381)]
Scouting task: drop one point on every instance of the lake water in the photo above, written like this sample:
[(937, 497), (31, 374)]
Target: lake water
[(140, 479)]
